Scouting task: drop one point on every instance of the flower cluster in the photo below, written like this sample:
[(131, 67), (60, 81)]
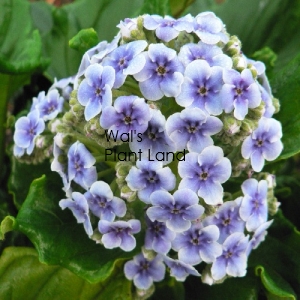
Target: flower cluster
[(158, 124)]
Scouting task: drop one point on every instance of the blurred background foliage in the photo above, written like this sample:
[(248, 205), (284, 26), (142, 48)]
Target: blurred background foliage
[(34, 50)]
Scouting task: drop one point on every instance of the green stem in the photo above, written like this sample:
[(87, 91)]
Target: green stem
[(104, 158), (105, 172), (86, 141), (110, 163), (114, 185)]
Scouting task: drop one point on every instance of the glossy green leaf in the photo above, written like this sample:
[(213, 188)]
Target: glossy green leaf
[(20, 54), (22, 276), (20, 44), (286, 87), (6, 225), (276, 286), (277, 259), (59, 25), (84, 40), (58, 238), (22, 174), (158, 7)]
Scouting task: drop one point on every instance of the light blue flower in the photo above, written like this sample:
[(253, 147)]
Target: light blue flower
[(263, 143), (162, 73), (198, 244), (168, 28), (126, 60), (158, 237), (102, 202), (80, 165), (203, 173), (149, 176), (233, 261), (258, 236), (254, 207), (27, 129), (130, 114), (179, 269), (191, 129), (119, 234), (212, 54), (201, 87), (154, 139), (94, 91), (51, 105), (177, 211), (144, 272), (80, 210), (209, 28), (227, 218), (239, 92)]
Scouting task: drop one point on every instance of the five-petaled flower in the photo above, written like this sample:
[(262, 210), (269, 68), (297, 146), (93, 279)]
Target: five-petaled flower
[(94, 91), (198, 244), (203, 173), (130, 114), (27, 130), (239, 92), (149, 176), (263, 143), (102, 202), (162, 73), (233, 261), (177, 211), (254, 207), (144, 272), (80, 165), (119, 233)]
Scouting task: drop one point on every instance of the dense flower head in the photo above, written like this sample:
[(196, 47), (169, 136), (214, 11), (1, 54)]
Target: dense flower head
[(158, 135)]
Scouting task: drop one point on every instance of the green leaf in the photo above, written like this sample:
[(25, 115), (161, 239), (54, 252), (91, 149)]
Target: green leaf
[(277, 259), (20, 54), (286, 87), (20, 44), (58, 238), (7, 225), (21, 269), (22, 174), (158, 7), (84, 40), (276, 286)]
